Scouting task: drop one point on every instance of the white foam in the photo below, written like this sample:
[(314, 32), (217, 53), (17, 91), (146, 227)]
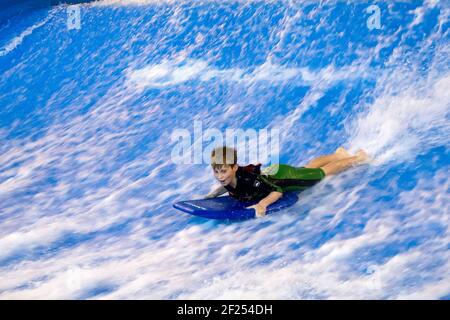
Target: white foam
[(200, 261), (165, 74), (177, 71), (396, 126)]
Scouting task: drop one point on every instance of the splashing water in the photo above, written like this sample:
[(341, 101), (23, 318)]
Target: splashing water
[(87, 183)]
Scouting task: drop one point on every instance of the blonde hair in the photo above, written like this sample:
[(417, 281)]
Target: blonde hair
[(223, 156)]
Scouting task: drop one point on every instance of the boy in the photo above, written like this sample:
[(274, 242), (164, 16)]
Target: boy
[(249, 183)]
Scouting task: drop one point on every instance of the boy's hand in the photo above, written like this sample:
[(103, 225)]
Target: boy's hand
[(260, 209)]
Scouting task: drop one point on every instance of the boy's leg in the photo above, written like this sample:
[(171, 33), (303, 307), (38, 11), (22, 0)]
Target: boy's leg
[(319, 162), (340, 165)]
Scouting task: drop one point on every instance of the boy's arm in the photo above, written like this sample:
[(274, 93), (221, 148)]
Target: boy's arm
[(217, 192), (261, 206), (271, 198)]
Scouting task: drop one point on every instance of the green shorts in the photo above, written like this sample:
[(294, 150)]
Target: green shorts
[(293, 178)]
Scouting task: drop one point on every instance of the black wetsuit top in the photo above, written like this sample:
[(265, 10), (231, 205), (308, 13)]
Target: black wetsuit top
[(251, 185)]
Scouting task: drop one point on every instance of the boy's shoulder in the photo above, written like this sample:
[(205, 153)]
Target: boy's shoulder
[(252, 168)]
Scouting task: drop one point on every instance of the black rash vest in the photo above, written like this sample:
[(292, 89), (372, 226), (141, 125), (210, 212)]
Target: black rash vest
[(251, 185)]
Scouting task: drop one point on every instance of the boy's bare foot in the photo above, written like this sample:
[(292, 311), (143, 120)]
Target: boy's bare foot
[(362, 156), (342, 153)]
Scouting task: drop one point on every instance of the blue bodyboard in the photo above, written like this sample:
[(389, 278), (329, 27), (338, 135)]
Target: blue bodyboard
[(227, 207)]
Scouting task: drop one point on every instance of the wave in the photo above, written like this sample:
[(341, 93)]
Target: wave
[(16, 41)]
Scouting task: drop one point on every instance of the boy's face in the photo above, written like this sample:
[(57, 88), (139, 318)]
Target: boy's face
[(225, 174)]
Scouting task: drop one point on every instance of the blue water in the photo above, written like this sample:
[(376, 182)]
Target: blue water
[(86, 176)]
